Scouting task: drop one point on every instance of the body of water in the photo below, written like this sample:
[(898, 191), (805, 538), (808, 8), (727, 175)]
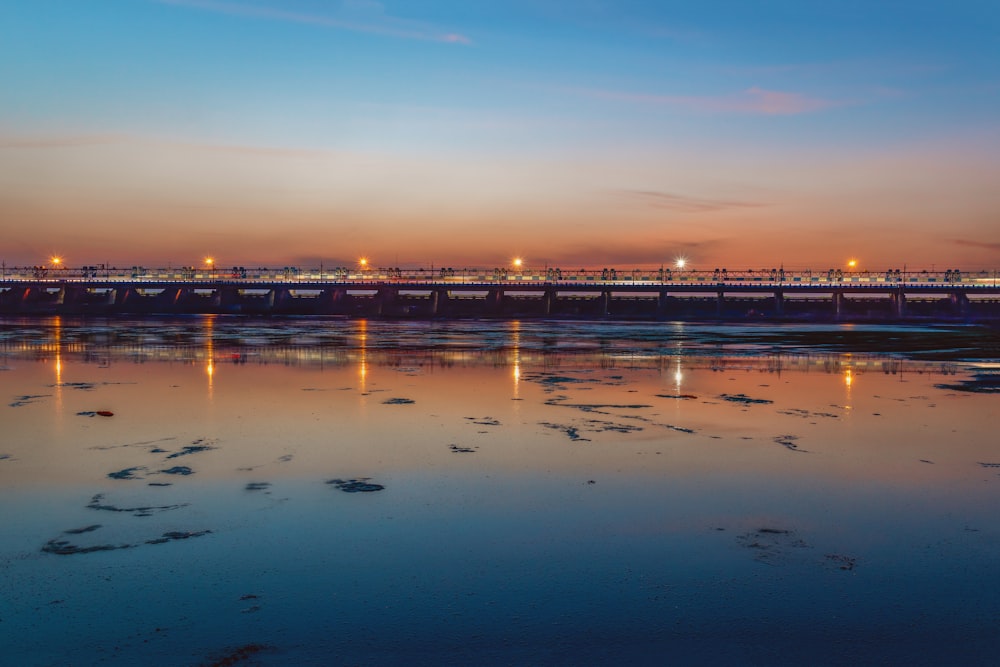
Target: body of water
[(214, 490)]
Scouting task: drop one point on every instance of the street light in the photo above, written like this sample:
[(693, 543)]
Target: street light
[(681, 263), (518, 262), (852, 264)]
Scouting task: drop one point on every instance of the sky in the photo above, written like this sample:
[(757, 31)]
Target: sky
[(578, 133)]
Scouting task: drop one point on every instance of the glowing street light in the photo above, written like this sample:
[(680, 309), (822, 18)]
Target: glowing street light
[(518, 262), (363, 262), (56, 261), (852, 263), (681, 262)]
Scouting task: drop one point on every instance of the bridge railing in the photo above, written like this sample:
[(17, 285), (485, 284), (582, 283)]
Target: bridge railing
[(549, 276)]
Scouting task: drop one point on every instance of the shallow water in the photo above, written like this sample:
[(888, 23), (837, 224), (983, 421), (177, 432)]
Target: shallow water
[(551, 493)]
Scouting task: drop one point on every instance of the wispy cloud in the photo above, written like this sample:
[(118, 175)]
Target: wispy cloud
[(88, 140), (365, 17), (674, 202), (750, 101), (977, 244), (66, 141), (645, 252)]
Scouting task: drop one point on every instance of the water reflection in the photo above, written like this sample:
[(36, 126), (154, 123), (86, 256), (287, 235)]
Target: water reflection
[(699, 492), (209, 338)]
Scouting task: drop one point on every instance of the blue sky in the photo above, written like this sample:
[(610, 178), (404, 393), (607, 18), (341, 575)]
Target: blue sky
[(477, 130)]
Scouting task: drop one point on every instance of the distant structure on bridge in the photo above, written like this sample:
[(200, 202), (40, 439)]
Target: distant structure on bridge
[(659, 294)]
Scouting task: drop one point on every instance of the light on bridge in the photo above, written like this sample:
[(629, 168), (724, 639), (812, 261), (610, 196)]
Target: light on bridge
[(518, 262), (681, 262), (852, 263), (209, 262), (363, 262), (56, 261)]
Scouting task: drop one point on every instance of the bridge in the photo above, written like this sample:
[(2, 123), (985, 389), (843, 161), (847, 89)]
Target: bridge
[(952, 295)]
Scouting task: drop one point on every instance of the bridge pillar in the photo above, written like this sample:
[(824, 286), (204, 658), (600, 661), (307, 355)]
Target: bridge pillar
[(281, 298), (899, 303), (40, 296), (720, 303), (12, 298), (74, 297), (334, 301), (550, 296), (838, 303), (385, 300), (606, 303), (779, 303), (494, 301), (439, 301), (961, 302), (229, 299), (661, 303)]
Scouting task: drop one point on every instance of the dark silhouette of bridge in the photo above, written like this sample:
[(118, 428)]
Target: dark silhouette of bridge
[(652, 294)]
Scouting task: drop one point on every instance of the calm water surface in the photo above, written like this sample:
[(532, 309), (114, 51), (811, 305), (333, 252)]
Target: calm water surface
[(544, 493)]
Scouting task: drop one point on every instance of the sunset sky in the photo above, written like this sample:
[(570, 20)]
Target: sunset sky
[(464, 133)]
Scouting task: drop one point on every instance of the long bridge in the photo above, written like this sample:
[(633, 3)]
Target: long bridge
[(650, 294)]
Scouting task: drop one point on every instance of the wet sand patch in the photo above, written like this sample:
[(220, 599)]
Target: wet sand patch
[(80, 531), (126, 473), (572, 432), (772, 546), (679, 429), (257, 486), (357, 485), (143, 511), (27, 399), (484, 421), (611, 427), (788, 442), (981, 383), (744, 399), (177, 535), (799, 412), (842, 562), (197, 446), (62, 547)]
